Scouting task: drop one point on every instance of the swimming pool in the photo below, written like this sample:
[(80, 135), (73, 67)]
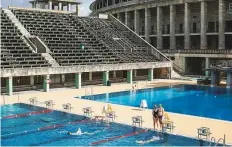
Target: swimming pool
[(38, 129), (204, 101)]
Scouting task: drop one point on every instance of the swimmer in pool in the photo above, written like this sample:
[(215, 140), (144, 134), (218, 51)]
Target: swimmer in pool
[(154, 138), (77, 133), (80, 133)]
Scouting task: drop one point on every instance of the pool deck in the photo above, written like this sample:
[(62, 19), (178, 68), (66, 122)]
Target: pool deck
[(184, 124)]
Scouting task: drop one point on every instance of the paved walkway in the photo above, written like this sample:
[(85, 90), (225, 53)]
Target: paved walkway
[(185, 124)]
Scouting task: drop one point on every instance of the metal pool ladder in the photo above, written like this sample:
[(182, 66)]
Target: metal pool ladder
[(213, 140)]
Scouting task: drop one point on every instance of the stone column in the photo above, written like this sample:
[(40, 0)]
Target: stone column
[(9, 86), (32, 80), (69, 7), (207, 63), (90, 76), (107, 3), (221, 16), (105, 77), (187, 26), (183, 64), (50, 5), (62, 78), (119, 17), (147, 24), (172, 27), (229, 80), (113, 2), (135, 72), (127, 18), (215, 78), (159, 27), (203, 24), (136, 21), (77, 9), (129, 76), (78, 80), (150, 74), (114, 74), (46, 83), (60, 6)]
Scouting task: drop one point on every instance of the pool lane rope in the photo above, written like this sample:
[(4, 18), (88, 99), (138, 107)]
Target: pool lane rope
[(48, 127), (27, 114), (118, 137)]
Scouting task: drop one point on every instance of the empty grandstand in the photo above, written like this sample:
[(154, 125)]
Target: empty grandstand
[(42, 48)]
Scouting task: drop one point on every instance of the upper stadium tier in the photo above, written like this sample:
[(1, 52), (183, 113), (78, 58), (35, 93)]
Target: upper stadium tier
[(45, 35)]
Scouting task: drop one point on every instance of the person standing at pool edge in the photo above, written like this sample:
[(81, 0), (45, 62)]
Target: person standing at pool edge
[(160, 115), (155, 116)]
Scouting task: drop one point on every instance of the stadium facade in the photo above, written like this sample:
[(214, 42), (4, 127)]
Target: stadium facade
[(193, 33)]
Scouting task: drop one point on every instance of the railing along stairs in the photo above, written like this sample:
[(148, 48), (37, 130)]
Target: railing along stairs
[(213, 140)]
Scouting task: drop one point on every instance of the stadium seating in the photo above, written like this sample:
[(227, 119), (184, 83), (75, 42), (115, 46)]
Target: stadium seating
[(63, 33), (14, 51)]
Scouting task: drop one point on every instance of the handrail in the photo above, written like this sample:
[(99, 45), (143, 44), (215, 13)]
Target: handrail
[(153, 50), (212, 140), (197, 51), (221, 139), (31, 43)]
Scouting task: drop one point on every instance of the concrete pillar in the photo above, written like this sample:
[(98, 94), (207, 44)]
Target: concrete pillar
[(129, 76), (127, 18), (229, 80), (78, 80), (105, 77), (119, 17), (135, 72), (114, 74), (147, 24), (60, 6), (50, 5), (203, 24), (221, 16), (215, 78), (46, 83), (113, 2), (150, 74), (107, 3), (77, 9), (207, 63), (90, 76), (62, 78), (136, 21), (31, 80), (69, 7), (172, 26), (187, 26), (159, 27), (183, 64), (9, 86)]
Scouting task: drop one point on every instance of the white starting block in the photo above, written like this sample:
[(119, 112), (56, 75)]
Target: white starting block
[(143, 104)]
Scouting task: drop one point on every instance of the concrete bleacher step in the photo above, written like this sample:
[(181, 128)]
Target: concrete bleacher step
[(50, 59)]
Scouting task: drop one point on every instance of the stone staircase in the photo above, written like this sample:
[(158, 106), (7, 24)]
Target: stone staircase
[(25, 33)]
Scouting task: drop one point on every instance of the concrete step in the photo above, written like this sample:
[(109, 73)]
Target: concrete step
[(50, 59)]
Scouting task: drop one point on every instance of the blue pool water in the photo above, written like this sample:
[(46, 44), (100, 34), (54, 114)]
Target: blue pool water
[(204, 101), (23, 131)]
